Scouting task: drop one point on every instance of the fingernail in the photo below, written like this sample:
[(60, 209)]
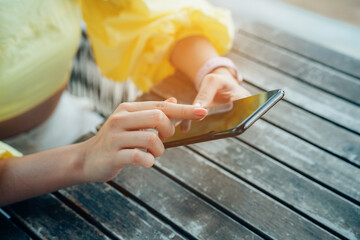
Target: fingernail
[(200, 111), (197, 104), (202, 118)]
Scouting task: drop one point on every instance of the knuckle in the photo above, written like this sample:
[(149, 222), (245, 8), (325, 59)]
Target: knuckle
[(151, 139), (150, 163), (115, 119), (136, 157), (122, 107), (168, 130), (172, 132), (125, 105), (210, 78), (158, 115), (161, 150), (161, 105)]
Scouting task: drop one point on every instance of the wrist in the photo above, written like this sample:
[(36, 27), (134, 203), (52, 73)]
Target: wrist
[(224, 71), (216, 64), (77, 163)]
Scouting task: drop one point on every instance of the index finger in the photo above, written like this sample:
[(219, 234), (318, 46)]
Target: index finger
[(171, 110)]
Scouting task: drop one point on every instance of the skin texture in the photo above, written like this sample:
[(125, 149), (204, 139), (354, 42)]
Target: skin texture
[(121, 135), (100, 158), (220, 86), (117, 143)]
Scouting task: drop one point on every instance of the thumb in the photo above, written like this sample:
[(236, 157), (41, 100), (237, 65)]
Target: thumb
[(206, 94)]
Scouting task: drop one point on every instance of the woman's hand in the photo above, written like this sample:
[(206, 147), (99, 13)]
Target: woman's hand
[(118, 141), (218, 87)]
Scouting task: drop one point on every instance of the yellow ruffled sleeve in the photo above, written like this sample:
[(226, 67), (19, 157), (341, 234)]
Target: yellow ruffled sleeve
[(7, 151), (134, 38)]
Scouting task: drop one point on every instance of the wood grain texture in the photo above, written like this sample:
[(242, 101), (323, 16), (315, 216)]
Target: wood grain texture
[(317, 131), (10, 231), (299, 67), (49, 218), (254, 207), (289, 117), (314, 129), (328, 169), (320, 128), (306, 48), (180, 206), (117, 213), (177, 85), (300, 94), (304, 157), (321, 204)]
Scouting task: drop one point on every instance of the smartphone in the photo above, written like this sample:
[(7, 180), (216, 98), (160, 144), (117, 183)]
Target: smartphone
[(229, 121)]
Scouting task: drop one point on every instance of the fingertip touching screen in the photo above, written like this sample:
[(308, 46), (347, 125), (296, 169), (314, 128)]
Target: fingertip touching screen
[(228, 121)]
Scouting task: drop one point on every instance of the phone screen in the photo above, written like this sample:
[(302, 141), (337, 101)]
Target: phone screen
[(229, 122)]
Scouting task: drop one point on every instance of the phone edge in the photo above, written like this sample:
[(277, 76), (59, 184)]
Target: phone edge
[(236, 131)]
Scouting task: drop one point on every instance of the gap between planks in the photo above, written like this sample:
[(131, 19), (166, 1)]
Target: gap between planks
[(126, 193), (302, 47), (272, 56)]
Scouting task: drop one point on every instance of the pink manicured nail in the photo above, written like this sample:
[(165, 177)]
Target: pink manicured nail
[(202, 118), (200, 111)]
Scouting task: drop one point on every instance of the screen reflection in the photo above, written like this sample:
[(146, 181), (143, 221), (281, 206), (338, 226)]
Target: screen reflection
[(226, 121)]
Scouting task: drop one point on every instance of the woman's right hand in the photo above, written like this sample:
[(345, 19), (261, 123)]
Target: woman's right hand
[(119, 139)]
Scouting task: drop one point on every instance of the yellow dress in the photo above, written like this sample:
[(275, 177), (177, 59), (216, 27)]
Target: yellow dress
[(130, 39)]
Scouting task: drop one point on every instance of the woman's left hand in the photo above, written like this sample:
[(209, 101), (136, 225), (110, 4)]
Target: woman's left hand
[(218, 87)]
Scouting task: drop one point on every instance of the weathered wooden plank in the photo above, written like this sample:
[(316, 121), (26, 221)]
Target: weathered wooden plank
[(293, 119), (177, 85), (303, 95), (118, 214), (238, 197), (306, 48), (313, 129), (305, 157), (10, 231), (316, 131), (49, 218), (299, 67), (180, 206), (312, 199)]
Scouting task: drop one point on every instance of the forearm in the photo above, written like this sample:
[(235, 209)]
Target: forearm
[(101, 157), (189, 54), (40, 173)]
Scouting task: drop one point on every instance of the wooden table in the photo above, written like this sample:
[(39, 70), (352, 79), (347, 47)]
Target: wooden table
[(293, 175)]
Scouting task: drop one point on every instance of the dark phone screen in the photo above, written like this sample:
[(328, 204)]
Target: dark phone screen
[(226, 121)]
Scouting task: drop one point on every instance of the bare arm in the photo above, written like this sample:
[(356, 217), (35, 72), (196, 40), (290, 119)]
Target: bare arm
[(101, 157), (220, 86), (190, 53), (40, 173)]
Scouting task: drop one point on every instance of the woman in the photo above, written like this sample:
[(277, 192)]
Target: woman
[(145, 40)]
